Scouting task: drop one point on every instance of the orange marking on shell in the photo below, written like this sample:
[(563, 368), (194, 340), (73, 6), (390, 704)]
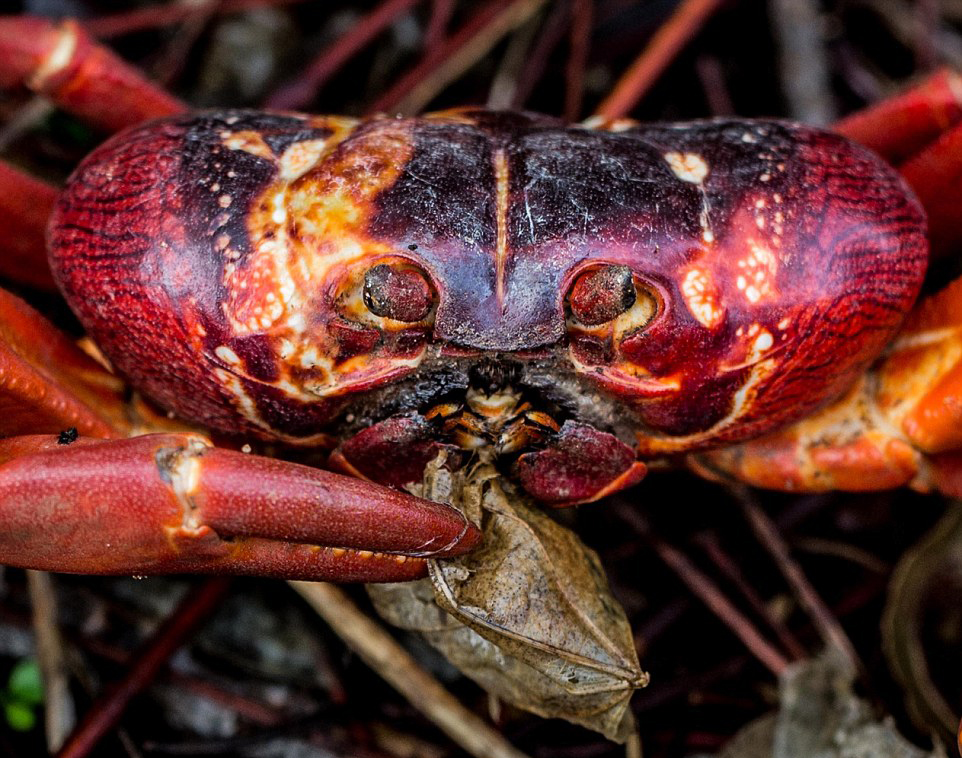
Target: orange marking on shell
[(249, 141), (309, 252), (501, 205)]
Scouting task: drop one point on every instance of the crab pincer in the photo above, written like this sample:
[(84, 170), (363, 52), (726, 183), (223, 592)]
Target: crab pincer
[(173, 503)]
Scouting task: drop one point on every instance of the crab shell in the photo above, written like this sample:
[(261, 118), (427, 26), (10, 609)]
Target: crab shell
[(223, 262)]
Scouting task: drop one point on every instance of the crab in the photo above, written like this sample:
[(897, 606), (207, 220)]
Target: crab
[(582, 298), (368, 294)]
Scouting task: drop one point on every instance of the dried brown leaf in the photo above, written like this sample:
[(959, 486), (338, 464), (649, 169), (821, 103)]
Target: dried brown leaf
[(529, 615), (923, 595), (820, 716)]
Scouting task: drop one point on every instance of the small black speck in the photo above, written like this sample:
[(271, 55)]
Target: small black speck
[(412, 247), (68, 436)]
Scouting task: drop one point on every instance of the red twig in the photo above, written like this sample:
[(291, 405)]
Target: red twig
[(302, 90), (730, 569), (664, 46), (156, 16), (825, 623), (437, 28), (177, 51), (464, 48), (712, 79), (582, 12), (927, 18), (552, 32), (710, 595), (106, 711)]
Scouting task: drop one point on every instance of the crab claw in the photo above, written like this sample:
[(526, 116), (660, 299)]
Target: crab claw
[(394, 452), (583, 465), (172, 503)]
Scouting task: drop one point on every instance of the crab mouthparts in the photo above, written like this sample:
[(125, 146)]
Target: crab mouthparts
[(558, 464)]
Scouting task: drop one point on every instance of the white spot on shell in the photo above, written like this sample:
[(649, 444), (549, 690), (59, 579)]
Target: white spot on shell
[(279, 215), (763, 341), (300, 158), (227, 355), (689, 167), (701, 298)]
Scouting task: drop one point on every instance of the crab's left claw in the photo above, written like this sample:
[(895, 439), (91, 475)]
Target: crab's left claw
[(172, 503)]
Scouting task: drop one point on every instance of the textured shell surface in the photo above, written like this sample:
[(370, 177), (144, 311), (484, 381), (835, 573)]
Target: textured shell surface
[(223, 262)]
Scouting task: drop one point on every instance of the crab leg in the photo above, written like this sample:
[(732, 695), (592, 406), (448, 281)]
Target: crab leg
[(47, 384), (901, 425), (900, 126), (25, 207), (172, 503), (62, 61)]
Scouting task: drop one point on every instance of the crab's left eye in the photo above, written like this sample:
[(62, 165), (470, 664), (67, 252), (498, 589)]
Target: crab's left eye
[(611, 297), (601, 295), (402, 293)]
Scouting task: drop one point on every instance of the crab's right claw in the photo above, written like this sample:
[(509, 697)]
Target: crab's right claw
[(172, 503)]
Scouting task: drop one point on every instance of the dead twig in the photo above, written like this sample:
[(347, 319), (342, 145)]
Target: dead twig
[(663, 48), (802, 61), (582, 12), (712, 78), (552, 31), (394, 664), (461, 51), (106, 711), (301, 91), (157, 16), (437, 28), (825, 622), (504, 85), (59, 713), (709, 594), (730, 569)]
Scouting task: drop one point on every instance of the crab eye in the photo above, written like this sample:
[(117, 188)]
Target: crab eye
[(399, 293), (602, 294)]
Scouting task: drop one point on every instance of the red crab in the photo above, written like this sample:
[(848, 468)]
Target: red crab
[(579, 298)]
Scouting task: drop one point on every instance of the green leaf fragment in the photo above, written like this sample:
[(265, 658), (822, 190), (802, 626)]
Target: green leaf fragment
[(26, 684), (20, 716)]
